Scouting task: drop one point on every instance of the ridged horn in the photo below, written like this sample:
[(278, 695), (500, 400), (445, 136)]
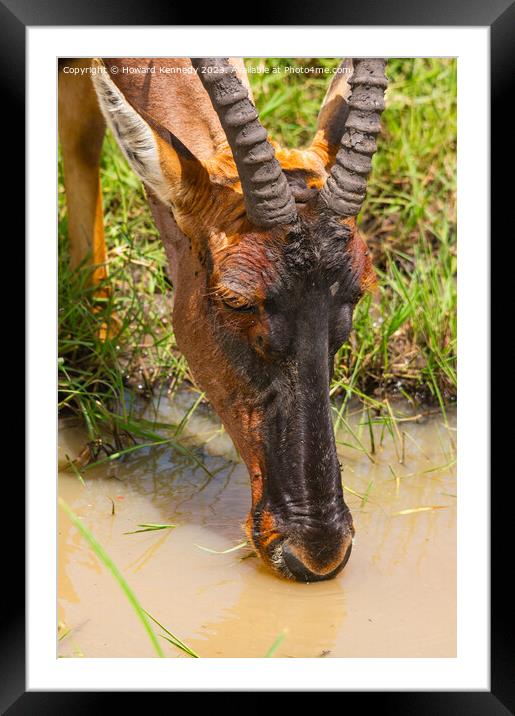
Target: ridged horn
[(346, 186), (267, 195)]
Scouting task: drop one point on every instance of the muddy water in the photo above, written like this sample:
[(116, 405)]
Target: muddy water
[(395, 598)]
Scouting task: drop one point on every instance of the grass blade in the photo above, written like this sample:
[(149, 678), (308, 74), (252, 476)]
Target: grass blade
[(149, 527), (223, 551), (427, 508), (277, 643), (111, 566), (75, 470), (174, 639)]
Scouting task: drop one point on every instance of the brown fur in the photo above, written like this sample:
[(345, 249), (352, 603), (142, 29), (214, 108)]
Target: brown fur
[(208, 217)]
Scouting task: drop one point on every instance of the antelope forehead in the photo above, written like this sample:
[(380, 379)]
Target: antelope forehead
[(280, 290), (263, 265), (251, 276)]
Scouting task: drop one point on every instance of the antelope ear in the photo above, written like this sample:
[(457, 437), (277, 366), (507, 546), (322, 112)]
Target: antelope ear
[(333, 115), (160, 160)]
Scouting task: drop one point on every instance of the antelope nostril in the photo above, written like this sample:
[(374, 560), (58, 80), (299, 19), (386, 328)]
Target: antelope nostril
[(301, 573), (298, 570)]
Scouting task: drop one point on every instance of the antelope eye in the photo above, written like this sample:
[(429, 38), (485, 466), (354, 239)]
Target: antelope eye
[(236, 301)]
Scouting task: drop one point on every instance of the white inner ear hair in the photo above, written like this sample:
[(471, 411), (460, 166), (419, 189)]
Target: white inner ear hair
[(133, 135)]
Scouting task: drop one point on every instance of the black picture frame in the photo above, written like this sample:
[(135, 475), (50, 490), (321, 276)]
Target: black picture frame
[(499, 16)]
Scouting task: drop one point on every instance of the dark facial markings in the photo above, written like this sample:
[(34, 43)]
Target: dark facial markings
[(271, 280), (282, 309)]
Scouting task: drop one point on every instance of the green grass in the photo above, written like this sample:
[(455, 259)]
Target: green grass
[(404, 337), (277, 643)]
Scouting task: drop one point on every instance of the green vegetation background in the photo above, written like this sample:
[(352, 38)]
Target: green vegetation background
[(404, 337)]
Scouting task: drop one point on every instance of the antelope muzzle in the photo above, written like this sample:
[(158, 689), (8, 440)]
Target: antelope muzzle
[(299, 523)]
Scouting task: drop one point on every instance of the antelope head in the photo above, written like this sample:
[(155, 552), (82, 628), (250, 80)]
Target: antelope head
[(270, 266)]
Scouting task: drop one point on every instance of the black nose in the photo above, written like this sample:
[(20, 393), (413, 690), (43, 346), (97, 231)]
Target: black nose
[(301, 573)]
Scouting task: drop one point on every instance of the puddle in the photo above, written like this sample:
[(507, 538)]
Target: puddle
[(395, 598)]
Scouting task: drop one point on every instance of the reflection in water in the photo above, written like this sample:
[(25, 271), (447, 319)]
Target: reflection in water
[(396, 597)]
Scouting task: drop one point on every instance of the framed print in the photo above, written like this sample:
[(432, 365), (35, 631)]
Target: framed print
[(216, 460)]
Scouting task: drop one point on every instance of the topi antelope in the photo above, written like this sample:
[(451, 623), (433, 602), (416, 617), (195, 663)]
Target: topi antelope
[(265, 257)]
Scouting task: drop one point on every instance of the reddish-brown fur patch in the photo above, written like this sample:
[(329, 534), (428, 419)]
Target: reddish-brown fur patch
[(361, 260), (267, 533)]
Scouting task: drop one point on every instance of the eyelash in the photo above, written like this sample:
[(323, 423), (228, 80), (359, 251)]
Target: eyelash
[(227, 298), (249, 308)]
